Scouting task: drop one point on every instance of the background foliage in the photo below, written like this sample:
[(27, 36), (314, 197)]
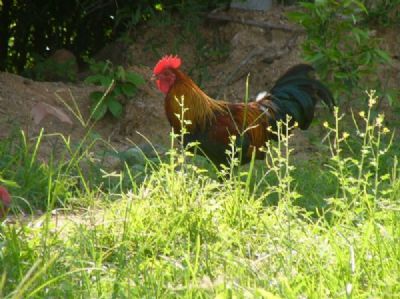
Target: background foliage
[(31, 29)]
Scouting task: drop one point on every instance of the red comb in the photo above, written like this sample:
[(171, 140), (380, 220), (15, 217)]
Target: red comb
[(168, 61)]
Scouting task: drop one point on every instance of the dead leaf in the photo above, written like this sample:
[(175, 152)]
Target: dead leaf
[(41, 110)]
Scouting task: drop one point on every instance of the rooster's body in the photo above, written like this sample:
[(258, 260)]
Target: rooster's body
[(212, 123)]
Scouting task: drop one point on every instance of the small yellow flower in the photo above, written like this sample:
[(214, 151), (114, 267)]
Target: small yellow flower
[(385, 130), (379, 120), (372, 101), (325, 124), (345, 135), (362, 114)]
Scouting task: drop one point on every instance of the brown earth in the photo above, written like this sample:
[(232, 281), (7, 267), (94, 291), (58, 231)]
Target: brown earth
[(264, 54)]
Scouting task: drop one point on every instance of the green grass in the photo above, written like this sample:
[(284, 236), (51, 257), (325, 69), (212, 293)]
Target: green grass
[(275, 229)]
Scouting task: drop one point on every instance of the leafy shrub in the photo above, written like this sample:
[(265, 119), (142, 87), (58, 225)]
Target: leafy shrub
[(29, 27), (383, 12), (338, 46), (118, 84), (52, 70)]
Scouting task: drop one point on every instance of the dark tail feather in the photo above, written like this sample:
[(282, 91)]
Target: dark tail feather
[(296, 93)]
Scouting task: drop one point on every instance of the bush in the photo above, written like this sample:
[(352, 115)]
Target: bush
[(29, 28), (117, 83), (339, 45)]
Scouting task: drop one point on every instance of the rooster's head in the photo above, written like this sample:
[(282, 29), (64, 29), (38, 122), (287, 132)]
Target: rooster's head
[(163, 72)]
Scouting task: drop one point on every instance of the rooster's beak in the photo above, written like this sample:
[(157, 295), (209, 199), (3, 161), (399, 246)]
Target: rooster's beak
[(153, 78)]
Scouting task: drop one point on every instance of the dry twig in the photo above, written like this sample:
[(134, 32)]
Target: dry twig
[(260, 24)]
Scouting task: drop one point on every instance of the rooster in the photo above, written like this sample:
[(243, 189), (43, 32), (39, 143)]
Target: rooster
[(5, 202), (211, 123)]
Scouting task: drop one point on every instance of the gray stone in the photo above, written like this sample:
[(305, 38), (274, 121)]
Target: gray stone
[(252, 4)]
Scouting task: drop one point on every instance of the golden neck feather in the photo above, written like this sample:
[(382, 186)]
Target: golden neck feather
[(200, 109)]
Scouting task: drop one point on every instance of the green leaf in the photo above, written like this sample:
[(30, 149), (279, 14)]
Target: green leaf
[(115, 107), (383, 54), (391, 95), (120, 73), (357, 36), (97, 67), (341, 75), (94, 79), (320, 2), (315, 58), (298, 17), (361, 6), (117, 91), (128, 89), (98, 111), (106, 81), (9, 183), (107, 66), (96, 96), (347, 3), (366, 58), (134, 78), (310, 6), (361, 33)]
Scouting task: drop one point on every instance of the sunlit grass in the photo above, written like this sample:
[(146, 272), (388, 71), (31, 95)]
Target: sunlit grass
[(283, 228)]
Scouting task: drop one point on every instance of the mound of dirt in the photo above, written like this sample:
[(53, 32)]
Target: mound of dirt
[(55, 107)]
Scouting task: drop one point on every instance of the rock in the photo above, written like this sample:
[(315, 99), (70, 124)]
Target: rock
[(264, 5), (61, 66)]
